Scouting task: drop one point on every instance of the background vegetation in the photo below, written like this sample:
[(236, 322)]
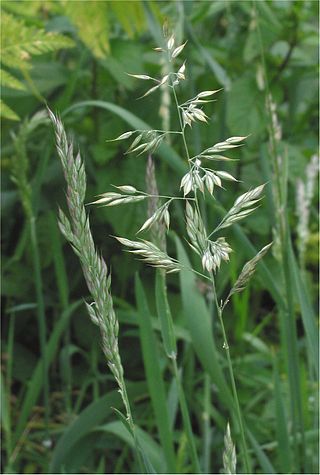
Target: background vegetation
[(57, 393)]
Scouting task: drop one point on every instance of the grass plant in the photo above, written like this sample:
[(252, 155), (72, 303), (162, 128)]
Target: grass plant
[(211, 253), (77, 231)]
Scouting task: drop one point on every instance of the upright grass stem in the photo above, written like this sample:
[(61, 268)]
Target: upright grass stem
[(41, 318), (170, 345), (6, 396), (186, 418), (226, 346), (212, 253), (232, 379)]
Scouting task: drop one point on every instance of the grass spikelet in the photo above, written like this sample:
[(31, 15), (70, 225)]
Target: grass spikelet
[(229, 455)]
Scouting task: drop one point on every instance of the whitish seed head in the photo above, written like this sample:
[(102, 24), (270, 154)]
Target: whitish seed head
[(229, 455)]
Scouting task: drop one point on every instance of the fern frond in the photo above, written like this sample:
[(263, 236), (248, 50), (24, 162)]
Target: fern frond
[(84, 16), (7, 80), (130, 16), (20, 42), (6, 112)]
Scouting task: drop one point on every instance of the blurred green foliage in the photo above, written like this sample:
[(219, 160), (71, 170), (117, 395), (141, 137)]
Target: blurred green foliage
[(67, 55)]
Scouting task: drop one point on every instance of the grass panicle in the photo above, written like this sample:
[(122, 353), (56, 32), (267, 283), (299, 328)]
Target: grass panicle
[(193, 185), (76, 230)]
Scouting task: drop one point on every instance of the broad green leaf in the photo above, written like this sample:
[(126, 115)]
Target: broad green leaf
[(245, 107)]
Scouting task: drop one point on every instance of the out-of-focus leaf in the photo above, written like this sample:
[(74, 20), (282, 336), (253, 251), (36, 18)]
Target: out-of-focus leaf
[(87, 421), (245, 109)]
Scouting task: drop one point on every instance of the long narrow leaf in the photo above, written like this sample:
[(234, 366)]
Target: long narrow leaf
[(93, 415), (154, 375), (151, 448), (284, 451)]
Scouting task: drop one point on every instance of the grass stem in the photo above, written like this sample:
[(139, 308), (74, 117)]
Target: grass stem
[(246, 459), (41, 319), (186, 419)]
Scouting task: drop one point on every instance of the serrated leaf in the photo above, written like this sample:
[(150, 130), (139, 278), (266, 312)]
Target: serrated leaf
[(20, 42)]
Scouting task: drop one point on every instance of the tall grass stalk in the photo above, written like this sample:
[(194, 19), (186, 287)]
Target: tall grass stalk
[(195, 181), (76, 230), (167, 331), (218, 308)]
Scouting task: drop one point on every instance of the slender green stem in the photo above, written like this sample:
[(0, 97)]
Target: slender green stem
[(165, 196), (170, 345), (233, 383), (185, 144), (159, 130), (206, 424), (140, 461), (181, 123), (186, 419), (41, 319), (8, 390), (63, 287)]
